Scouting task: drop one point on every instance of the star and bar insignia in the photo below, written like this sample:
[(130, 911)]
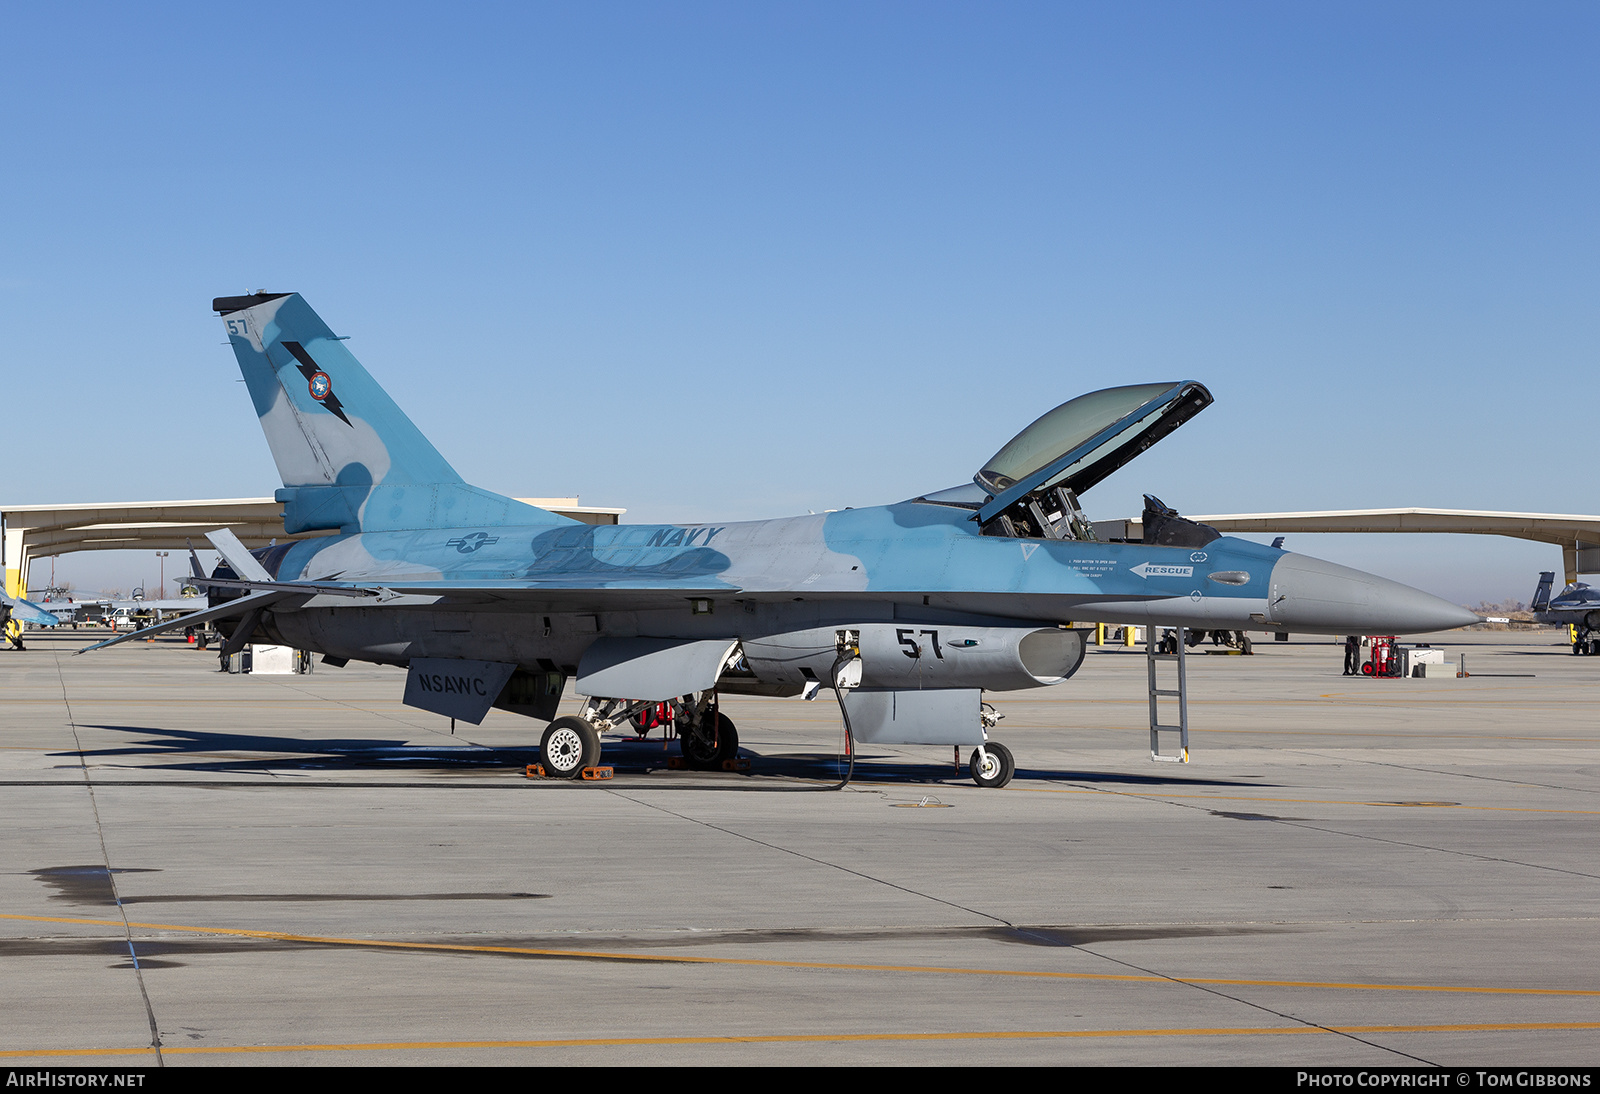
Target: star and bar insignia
[(472, 541)]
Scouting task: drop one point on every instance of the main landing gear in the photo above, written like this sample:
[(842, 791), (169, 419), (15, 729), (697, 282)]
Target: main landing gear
[(569, 745), (1237, 640), (707, 737), (709, 742)]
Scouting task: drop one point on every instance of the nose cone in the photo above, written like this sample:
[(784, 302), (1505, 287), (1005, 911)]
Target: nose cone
[(1310, 595)]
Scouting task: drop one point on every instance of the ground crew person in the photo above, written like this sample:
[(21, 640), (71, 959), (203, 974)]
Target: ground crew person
[(1352, 655)]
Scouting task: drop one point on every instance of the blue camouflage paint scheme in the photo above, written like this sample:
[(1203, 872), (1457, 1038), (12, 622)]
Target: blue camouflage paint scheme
[(911, 548), (449, 570), (395, 478), (410, 523)]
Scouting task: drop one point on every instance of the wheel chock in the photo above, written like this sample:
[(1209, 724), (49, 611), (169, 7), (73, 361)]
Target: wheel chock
[(677, 763), (738, 763), (588, 774)]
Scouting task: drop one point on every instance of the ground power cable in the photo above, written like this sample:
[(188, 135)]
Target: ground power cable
[(849, 744), (849, 653)]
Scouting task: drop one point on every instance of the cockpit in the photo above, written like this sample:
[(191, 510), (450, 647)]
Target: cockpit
[(1030, 488)]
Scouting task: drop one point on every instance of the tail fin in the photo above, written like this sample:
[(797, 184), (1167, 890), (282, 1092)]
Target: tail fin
[(1541, 595), (348, 456)]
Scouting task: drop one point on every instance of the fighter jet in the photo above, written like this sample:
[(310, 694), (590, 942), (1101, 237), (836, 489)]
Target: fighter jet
[(909, 612), (1577, 606)]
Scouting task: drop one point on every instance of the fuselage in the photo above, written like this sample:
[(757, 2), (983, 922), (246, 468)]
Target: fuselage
[(1577, 605), (913, 562)]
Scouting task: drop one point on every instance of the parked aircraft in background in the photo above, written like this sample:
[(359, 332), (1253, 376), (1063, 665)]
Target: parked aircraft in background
[(907, 611), (120, 614), (1577, 606)]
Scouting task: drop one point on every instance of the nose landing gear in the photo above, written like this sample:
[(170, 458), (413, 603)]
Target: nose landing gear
[(992, 765)]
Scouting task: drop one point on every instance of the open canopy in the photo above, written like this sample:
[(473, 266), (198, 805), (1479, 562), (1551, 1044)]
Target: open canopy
[(1085, 439)]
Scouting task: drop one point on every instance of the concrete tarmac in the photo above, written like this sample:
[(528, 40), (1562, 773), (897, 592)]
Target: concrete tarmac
[(205, 869)]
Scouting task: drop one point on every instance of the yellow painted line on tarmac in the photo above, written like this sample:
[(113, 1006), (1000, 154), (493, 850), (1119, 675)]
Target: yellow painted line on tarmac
[(686, 959), (1304, 801), (251, 700), (1394, 735), (1479, 697), (813, 1038)]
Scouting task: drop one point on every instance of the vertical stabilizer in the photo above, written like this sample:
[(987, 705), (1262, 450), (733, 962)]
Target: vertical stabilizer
[(348, 456), (1541, 595)]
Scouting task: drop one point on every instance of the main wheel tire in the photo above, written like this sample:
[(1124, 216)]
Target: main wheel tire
[(1244, 644), (569, 746), (998, 770), (706, 752)]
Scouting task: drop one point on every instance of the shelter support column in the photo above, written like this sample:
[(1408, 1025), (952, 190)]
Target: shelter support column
[(16, 563), (1588, 559)]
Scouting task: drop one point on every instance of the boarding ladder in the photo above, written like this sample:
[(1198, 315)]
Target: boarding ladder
[(1181, 693)]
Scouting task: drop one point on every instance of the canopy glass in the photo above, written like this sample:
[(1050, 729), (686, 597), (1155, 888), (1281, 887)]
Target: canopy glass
[(1085, 439)]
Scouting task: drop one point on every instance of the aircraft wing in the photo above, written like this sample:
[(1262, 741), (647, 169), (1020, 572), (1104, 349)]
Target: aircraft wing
[(574, 593), (584, 593)]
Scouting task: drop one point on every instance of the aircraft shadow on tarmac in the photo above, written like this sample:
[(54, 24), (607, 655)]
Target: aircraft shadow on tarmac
[(209, 751), (169, 953), (204, 751)]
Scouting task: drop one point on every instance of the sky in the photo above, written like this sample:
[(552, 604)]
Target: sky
[(733, 261)]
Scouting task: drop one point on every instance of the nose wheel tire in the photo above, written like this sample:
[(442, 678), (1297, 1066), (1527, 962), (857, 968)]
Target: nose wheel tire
[(704, 749), (569, 746), (998, 767)]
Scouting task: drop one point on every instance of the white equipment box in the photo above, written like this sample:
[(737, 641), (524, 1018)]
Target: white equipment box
[(272, 660), (1412, 656)]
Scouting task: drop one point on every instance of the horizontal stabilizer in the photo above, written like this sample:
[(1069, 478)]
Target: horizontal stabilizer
[(26, 611), (242, 606), (309, 588)]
